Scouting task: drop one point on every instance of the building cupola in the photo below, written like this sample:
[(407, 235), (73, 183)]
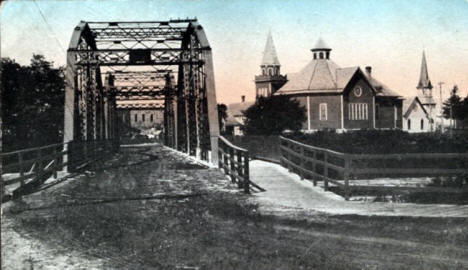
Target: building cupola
[(321, 50)]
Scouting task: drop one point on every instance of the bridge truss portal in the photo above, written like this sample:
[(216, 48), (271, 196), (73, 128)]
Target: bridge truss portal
[(153, 65)]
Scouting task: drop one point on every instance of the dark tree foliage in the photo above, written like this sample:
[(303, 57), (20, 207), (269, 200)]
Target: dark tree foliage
[(32, 103), (222, 115), (455, 107), (273, 115)]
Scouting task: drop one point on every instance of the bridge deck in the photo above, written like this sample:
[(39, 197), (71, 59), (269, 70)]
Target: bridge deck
[(285, 190)]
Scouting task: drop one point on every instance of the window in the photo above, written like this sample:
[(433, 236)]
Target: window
[(377, 111), (143, 117), (409, 124), (315, 55), (151, 117), (263, 71), (358, 111), (270, 71), (422, 124), (323, 112), (136, 117), (262, 92), (321, 55), (328, 55)]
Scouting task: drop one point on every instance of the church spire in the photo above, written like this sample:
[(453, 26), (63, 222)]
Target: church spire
[(269, 54), (424, 81)]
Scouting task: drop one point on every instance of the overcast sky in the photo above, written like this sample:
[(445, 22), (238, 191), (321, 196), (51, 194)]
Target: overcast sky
[(387, 35)]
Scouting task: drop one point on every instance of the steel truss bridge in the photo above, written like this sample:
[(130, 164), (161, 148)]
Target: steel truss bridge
[(152, 65)]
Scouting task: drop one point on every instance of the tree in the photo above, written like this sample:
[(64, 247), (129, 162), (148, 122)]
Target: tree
[(222, 115), (273, 115), (32, 103), (455, 107)]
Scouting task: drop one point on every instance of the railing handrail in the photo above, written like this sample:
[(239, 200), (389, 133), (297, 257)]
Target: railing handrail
[(314, 147), (234, 160), (346, 171), (27, 150), (228, 143)]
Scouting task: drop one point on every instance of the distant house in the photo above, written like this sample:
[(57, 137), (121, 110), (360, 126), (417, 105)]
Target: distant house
[(235, 117), (419, 112), (141, 118), (342, 98)]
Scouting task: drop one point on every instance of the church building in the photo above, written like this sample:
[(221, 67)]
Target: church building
[(271, 79), (342, 98), (419, 112)]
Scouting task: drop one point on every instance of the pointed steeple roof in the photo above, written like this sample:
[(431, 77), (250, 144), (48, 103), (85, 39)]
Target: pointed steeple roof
[(269, 54), (424, 81)]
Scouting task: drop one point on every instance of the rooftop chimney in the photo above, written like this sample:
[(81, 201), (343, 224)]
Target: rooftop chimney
[(243, 98), (369, 70)]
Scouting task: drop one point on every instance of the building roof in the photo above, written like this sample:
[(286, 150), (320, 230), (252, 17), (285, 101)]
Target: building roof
[(235, 109), (324, 76), (232, 121), (424, 81), (270, 58), (410, 103), (380, 88), (321, 45)]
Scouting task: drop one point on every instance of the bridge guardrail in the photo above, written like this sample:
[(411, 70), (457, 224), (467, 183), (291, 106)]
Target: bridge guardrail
[(234, 161), (38, 163), (320, 164)]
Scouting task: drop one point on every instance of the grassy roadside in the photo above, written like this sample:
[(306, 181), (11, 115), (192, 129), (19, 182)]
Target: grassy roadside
[(220, 230)]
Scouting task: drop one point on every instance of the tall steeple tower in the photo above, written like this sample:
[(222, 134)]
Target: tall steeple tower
[(425, 92), (425, 84), (271, 79)]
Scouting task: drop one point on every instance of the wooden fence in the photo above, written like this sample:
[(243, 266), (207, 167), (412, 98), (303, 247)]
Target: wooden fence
[(320, 164), (235, 163), (35, 165)]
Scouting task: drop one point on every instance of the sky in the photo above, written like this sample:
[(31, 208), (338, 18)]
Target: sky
[(388, 35)]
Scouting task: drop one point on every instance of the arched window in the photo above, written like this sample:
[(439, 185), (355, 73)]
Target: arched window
[(422, 124), (270, 71), (263, 71), (321, 55), (409, 124)]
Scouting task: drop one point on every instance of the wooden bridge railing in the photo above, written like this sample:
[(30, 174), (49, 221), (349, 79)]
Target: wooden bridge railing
[(320, 164), (235, 163), (37, 164)]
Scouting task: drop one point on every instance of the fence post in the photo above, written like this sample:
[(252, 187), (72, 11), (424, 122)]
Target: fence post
[(232, 170), (281, 151), (226, 159), (220, 154), (246, 173), (239, 168), (55, 162), (301, 172), (346, 177), (314, 166), (325, 170), (39, 163), (20, 162)]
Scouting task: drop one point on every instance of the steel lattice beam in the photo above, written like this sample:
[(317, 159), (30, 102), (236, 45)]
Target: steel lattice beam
[(189, 103)]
